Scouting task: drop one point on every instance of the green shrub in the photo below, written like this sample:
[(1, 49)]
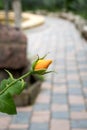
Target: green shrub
[(1, 5), (77, 6), (42, 4)]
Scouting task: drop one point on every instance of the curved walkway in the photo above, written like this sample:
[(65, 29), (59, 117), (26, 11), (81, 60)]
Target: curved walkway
[(62, 102)]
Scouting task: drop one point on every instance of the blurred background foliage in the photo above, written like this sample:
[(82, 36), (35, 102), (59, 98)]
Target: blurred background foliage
[(1, 4), (76, 6)]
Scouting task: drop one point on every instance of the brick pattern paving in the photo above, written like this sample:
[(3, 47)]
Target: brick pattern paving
[(62, 102)]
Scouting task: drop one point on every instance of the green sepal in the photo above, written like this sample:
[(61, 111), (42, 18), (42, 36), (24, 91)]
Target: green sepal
[(34, 63), (40, 72), (48, 72), (7, 104)]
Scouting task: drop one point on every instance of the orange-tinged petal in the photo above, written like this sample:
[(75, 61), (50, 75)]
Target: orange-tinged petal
[(42, 64)]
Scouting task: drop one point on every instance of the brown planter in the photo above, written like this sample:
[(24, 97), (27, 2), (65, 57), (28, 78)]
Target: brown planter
[(28, 96)]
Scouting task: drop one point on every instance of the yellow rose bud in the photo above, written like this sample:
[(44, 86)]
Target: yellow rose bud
[(42, 64)]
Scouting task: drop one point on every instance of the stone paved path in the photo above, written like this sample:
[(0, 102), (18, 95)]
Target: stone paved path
[(62, 102)]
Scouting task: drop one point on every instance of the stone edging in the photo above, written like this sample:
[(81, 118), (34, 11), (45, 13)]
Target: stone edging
[(80, 23)]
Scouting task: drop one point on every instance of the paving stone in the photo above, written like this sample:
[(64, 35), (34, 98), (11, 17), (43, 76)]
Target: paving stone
[(86, 103), (84, 82), (79, 129), (79, 115), (4, 122), (76, 82), (43, 99), (77, 107), (85, 95), (62, 89), (39, 126), (75, 91), (56, 79), (61, 71), (17, 129), (70, 72), (21, 118), (74, 85), (81, 54), (85, 92), (83, 76), (59, 98), (76, 99), (60, 115), (72, 77), (59, 107), (85, 89), (82, 61), (79, 124), (60, 124), (60, 83), (40, 117), (41, 106), (82, 70), (18, 126)]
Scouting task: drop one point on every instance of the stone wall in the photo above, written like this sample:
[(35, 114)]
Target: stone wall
[(13, 57)]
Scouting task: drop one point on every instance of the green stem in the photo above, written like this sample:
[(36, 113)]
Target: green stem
[(22, 77)]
